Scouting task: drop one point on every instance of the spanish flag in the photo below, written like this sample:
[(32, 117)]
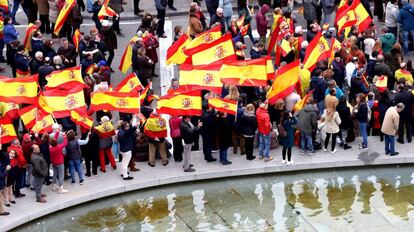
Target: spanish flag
[(175, 53), (317, 50), (401, 73), (381, 83), (9, 110), (130, 84), (4, 5), (155, 127), (300, 104), (244, 29), (335, 47), (220, 50), (223, 105), (361, 15), (29, 115), (19, 90), (22, 74), (347, 19), (204, 38), (65, 79), (81, 119), (270, 68), (245, 72), (106, 11), (240, 21), (305, 79), (76, 39), (144, 93), (201, 77), (91, 68), (27, 42), (60, 102), (342, 6), (122, 102), (285, 47), (285, 82), (7, 131), (43, 124), (63, 14), (126, 59), (274, 33), (180, 104), (105, 130)]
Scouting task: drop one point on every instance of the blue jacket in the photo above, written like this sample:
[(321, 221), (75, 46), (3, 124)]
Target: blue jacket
[(22, 63), (319, 86), (339, 92), (288, 141), (406, 17), (10, 34), (4, 161)]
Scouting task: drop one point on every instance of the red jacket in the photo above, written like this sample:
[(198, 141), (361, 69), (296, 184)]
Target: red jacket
[(26, 147), (175, 123), (263, 121), (21, 161), (56, 153)]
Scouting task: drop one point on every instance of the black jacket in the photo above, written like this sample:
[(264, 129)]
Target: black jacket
[(406, 98), (126, 139), (248, 125), (345, 115), (187, 132), (362, 114), (224, 132), (44, 70)]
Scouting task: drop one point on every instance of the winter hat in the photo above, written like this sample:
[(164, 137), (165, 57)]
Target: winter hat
[(101, 63)]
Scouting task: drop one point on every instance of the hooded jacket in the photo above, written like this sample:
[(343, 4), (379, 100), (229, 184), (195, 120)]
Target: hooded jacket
[(406, 17), (263, 121), (262, 21), (307, 119), (387, 42)]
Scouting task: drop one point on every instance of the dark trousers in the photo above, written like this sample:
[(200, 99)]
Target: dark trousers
[(136, 6), (161, 21), (20, 181), (287, 150), (207, 146), (45, 27), (328, 136), (115, 24), (178, 149), (1, 49), (405, 123), (91, 163), (248, 145), (170, 3), (38, 183), (110, 57), (196, 135), (223, 154)]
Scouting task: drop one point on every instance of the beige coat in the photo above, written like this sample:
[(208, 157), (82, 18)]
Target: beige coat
[(43, 7), (391, 121), (331, 123)]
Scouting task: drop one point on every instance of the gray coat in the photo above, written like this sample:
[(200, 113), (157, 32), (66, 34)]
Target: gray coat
[(40, 167), (309, 9), (307, 119)]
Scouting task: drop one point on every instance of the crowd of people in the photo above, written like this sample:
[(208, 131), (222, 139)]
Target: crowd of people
[(344, 101)]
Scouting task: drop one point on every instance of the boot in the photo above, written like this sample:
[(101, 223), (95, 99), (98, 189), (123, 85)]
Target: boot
[(55, 187), (62, 190)]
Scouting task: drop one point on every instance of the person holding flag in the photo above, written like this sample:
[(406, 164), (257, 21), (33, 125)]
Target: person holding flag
[(187, 131)]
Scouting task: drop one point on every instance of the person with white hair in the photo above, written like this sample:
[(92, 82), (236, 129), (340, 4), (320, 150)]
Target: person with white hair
[(36, 63), (58, 63), (105, 132)]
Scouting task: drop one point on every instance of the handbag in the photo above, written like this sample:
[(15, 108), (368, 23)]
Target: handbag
[(281, 130)]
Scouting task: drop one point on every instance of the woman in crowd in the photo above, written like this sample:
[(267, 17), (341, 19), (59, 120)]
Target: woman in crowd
[(105, 132), (175, 122), (12, 175), (73, 153), (287, 122), (126, 144), (57, 158), (4, 167), (361, 112), (248, 127), (224, 134), (332, 120)]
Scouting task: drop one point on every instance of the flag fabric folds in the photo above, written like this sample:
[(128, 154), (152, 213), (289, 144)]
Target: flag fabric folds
[(220, 50), (317, 50), (144, 93), (285, 47), (122, 102), (27, 42), (63, 15), (347, 19), (204, 38), (28, 115), (126, 59), (9, 110), (175, 53), (81, 119), (43, 124), (4, 5), (7, 131), (19, 90), (60, 102), (155, 127), (65, 79), (180, 104), (270, 68), (201, 77), (285, 82), (274, 33), (223, 105), (76, 39), (381, 83), (245, 72), (361, 15), (106, 11), (300, 104), (130, 84)]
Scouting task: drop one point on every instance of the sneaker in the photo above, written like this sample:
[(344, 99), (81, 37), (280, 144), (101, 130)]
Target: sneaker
[(283, 161), (62, 190), (325, 150), (73, 182), (128, 178), (55, 187), (269, 159), (4, 214), (346, 147), (394, 153), (364, 148), (261, 157), (81, 182), (173, 8), (334, 150), (189, 170), (290, 163), (226, 162), (41, 200), (303, 152)]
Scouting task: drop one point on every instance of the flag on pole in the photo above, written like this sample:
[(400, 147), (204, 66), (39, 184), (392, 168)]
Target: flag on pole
[(245, 72), (9, 110), (204, 38), (60, 102), (19, 90), (285, 82), (223, 105), (201, 77), (7, 131), (28, 115), (317, 50), (65, 79), (180, 104), (274, 33), (76, 38), (126, 59), (220, 50), (81, 119), (27, 42), (300, 104), (240, 21), (175, 53), (361, 15), (122, 102), (130, 84), (63, 15), (43, 124), (106, 11)]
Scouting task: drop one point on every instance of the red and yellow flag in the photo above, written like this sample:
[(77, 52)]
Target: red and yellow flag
[(155, 127), (317, 50), (81, 119), (285, 82), (381, 83), (201, 77), (7, 131), (126, 59), (106, 11), (4, 5), (130, 84), (300, 104), (305, 79), (346, 20), (245, 72), (27, 42), (105, 130), (401, 73), (29, 115), (342, 6), (270, 68), (361, 15), (43, 124), (204, 38), (240, 21), (122, 102), (285, 47), (21, 90), (65, 79), (60, 102), (175, 53), (180, 104), (22, 74), (76, 39), (223, 105), (274, 33), (144, 93), (220, 50), (91, 68), (244, 29), (9, 110), (63, 15), (335, 47)]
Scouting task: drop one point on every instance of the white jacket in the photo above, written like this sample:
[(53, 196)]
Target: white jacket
[(391, 15)]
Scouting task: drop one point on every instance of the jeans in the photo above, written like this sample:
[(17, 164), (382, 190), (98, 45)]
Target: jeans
[(223, 154), (29, 169), (389, 144), (58, 174), (227, 20), (16, 4), (343, 134), (161, 21), (264, 145), (38, 183), (186, 155), (406, 40), (89, 4), (328, 18), (75, 165), (306, 142), (363, 132), (321, 106)]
